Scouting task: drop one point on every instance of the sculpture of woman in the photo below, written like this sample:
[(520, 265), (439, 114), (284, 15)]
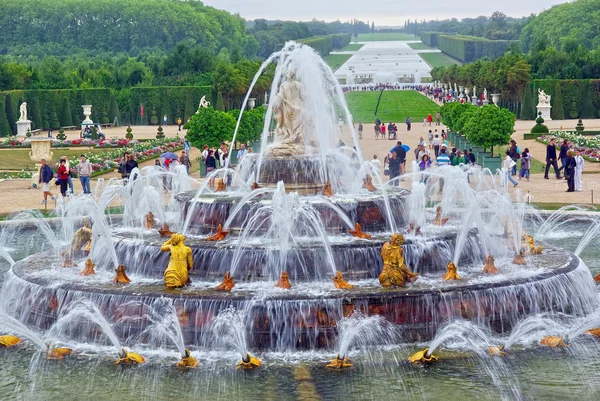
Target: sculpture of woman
[(395, 272), (176, 274), (451, 272)]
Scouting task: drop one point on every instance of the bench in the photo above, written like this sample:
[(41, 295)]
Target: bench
[(107, 125), (69, 127)]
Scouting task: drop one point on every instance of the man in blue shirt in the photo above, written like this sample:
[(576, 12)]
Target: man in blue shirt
[(241, 153), (400, 151), (443, 159), (46, 175)]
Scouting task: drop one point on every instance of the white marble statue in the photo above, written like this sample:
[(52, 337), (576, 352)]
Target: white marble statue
[(23, 111), (543, 98), (203, 103), (474, 91), (485, 96)]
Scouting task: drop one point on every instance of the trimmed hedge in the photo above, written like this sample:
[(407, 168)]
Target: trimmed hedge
[(578, 98), (470, 48), (326, 43), (430, 38)]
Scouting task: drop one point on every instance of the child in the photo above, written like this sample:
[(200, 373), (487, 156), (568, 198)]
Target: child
[(525, 164)]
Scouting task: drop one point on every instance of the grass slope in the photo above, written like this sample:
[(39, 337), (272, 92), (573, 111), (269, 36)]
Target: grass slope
[(438, 59), (381, 36), (335, 61), (352, 47), (395, 106), (420, 46)]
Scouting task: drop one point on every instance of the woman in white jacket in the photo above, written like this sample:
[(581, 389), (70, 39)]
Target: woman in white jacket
[(578, 170)]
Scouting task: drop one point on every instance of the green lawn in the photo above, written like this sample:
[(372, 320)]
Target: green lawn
[(335, 61), (18, 159), (352, 47), (395, 106), (420, 46), (438, 59), (370, 37)]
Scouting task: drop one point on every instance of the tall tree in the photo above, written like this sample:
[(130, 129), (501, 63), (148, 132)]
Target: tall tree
[(4, 127), (36, 115), (65, 114), (10, 115), (558, 110), (113, 112)]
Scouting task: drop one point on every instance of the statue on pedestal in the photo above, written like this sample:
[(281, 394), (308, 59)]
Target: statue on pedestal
[(203, 103), (543, 98), (23, 111)]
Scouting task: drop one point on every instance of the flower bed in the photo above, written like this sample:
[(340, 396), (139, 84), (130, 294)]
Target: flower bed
[(14, 142), (141, 151), (588, 146)]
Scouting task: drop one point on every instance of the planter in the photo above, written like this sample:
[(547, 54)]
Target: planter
[(492, 163)]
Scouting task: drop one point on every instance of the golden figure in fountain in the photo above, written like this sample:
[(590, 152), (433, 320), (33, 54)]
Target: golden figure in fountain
[(339, 282), (594, 332), (9, 341), (519, 259), (368, 183), (497, 351), (149, 221), (395, 273), (129, 358), (358, 233), (255, 186), (423, 357), (164, 230), (554, 341), (88, 270), (339, 363), (219, 236), (284, 282), (227, 283), (327, 190), (181, 261), (529, 242), (451, 273), (220, 185), (187, 361), (412, 229), (438, 220), (249, 362), (121, 276), (490, 266), (58, 353), (82, 238)]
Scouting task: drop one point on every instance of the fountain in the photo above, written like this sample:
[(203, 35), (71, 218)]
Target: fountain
[(312, 267)]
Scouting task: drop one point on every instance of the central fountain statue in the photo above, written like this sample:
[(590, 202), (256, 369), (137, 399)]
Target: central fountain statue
[(176, 274), (395, 273)]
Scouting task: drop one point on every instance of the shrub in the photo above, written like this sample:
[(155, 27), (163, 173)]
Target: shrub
[(129, 135), (579, 127), (61, 135), (159, 133), (490, 126), (28, 133), (539, 129), (153, 119)]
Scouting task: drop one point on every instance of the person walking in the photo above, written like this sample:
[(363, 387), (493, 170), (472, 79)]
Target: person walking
[(165, 120), (211, 165), (241, 153), (408, 123), (187, 147), (360, 130), (383, 128), (69, 180), (507, 166), (525, 164), (429, 119), (578, 170), (129, 166), (46, 175), (394, 166), (424, 165), (376, 163), (122, 169), (570, 165), (429, 137), (184, 160), (436, 145), (563, 156), (438, 118), (179, 124), (551, 159), (84, 170), (442, 160), (63, 177)]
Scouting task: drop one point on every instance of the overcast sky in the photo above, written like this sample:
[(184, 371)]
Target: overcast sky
[(383, 12)]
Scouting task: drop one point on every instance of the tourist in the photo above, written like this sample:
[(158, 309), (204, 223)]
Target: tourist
[(130, 166), (422, 151), (340, 143), (376, 163), (211, 165), (394, 163), (472, 158), (84, 170), (525, 164), (187, 147), (204, 152), (179, 124), (223, 158), (184, 160), (424, 121), (507, 166), (408, 123), (430, 137), (360, 130), (122, 165), (70, 180), (63, 177), (424, 165), (429, 119), (438, 118), (578, 170), (340, 123), (46, 176), (377, 129), (514, 154), (452, 155), (551, 159), (564, 148), (383, 131), (400, 151), (459, 159), (165, 120), (570, 165), (250, 150), (442, 159), (241, 153), (436, 145)]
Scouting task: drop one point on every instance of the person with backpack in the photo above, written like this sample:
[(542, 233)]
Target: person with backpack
[(525, 164)]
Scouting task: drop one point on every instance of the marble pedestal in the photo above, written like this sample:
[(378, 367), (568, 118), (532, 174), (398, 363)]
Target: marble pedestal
[(23, 127), (545, 110)]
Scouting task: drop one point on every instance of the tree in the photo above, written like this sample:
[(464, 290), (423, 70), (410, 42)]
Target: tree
[(190, 107), (452, 112), (219, 104), (10, 115), (4, 127), (65, 114), (558, 110), (587, 109), (36, 115), (490, 126), (113, 111), (211, 127), (527, 108), (251, 125), (53, 121)]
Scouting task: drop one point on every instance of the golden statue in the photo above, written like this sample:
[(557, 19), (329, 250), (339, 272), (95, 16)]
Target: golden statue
[(597, 278), (339, 282), (327, 190), (594, 332), (188, 361), (490, 266), (164, 230), (553, 341), (68, 261), (181, 261), (339, 363), (249, 362), (358, 233), (81, 238), (519, 259), (220, 185), (227, 283), (368, 184), (451, 273), (58, 353), (129, 358), (530, 243), (284, 282), (89, 268), (255, 186), (413, 230), (121, 276), (149, 220), (438, 220), (395, 273), (9, 341), (219, 236), (496, 351), (422, 357)]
